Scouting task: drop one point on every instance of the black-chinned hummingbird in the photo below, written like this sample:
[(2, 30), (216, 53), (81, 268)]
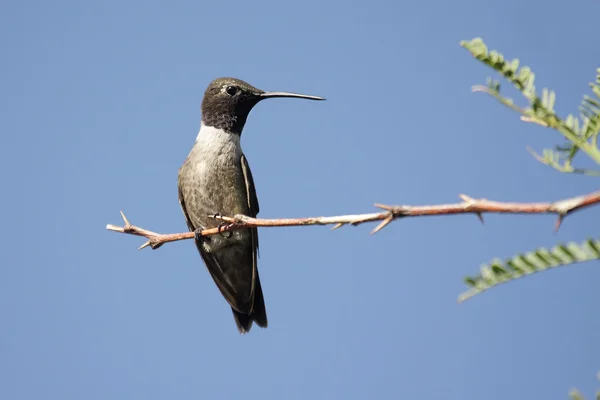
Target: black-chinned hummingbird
[(216, 179)]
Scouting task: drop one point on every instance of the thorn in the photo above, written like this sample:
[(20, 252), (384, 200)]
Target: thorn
[(466, 198), (338, 225), (384, 207), (144, 245), (558, 222), (125, 219), (480, 216), (382, 224)]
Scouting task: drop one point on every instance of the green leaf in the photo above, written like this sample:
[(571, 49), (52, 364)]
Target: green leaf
[(581, 131), (576, 394), (498, 272)]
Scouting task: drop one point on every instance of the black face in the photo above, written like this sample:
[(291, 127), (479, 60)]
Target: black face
[(227, 103)]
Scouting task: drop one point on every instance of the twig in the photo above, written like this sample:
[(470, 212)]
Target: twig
[(552, 121), (468, 206)]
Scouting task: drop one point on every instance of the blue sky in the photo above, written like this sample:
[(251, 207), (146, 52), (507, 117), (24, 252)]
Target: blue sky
[(100, 107)]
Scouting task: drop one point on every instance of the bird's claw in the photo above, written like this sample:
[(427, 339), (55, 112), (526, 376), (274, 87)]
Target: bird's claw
[(226, 234)]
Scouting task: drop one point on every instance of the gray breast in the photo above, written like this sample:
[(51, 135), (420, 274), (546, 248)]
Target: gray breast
[(211, 178)]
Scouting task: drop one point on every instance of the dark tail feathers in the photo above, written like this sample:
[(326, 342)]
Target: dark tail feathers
[(259, 313)]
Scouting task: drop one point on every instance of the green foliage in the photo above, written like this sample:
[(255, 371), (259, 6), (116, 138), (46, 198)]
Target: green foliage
[(577, 395), (498, 271), (580, 131)]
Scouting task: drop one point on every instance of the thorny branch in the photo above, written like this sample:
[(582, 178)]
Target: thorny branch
[(468, 206)]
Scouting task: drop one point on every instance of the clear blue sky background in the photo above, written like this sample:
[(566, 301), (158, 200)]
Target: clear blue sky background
[(100, 106)]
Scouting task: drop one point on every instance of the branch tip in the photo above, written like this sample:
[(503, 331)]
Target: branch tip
[(114, 228), (144, 245)]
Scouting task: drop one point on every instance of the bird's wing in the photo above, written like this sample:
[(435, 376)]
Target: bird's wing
[(250, 188), (251, 196), (191, 226)]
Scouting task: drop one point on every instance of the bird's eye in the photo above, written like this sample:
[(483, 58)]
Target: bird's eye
[(231, 90)]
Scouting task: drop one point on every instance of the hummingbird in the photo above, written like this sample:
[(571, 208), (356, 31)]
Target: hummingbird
[(215, 179)]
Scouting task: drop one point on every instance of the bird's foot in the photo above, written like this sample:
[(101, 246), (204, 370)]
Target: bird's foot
[(226, 234)]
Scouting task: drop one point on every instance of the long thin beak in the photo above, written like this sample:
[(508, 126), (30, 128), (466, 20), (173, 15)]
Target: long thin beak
[(269, 95)]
